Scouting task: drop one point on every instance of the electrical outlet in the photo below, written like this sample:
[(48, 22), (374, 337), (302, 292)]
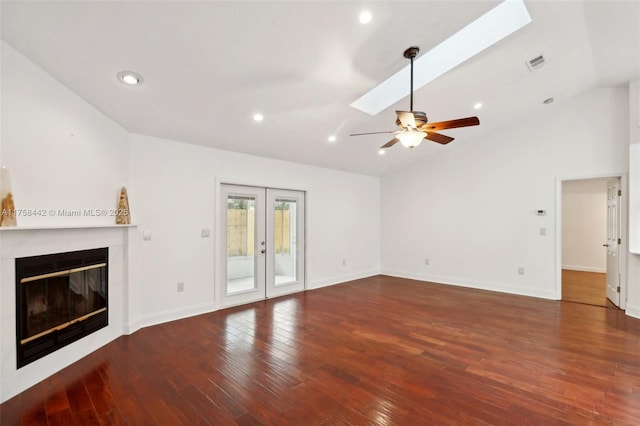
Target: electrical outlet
[(426, 262), (180, 286), (344, 262), (520, 270), (543, 231)]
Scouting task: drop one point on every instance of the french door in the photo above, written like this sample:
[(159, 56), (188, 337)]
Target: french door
[(262, 244)]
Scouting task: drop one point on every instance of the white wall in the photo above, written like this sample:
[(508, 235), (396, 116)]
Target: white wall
[(173, 197), (63, 154), (471, 208), (584, 225)]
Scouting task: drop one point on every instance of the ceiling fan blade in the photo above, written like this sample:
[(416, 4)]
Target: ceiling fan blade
[(406, 118), (440, 138), (372, 133), (450, 124), (391, 143)]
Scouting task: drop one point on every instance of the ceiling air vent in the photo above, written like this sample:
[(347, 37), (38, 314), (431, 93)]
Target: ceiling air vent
[(536, 63)]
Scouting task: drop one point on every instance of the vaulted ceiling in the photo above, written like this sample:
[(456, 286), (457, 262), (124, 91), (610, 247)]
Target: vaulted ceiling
[(209, 66)]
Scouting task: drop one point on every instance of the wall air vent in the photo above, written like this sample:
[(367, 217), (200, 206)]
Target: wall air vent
[(536, 63)]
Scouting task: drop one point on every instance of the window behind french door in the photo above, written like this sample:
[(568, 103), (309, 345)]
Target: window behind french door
[(263, 249)]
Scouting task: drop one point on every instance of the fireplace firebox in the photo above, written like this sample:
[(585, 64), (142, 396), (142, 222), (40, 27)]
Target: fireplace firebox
[(60, 298)]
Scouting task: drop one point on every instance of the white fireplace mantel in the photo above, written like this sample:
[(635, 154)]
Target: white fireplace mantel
[(24, 241), (49, 227)]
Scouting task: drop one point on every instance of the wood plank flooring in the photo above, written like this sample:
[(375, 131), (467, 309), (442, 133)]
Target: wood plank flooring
[(585, 287), (380, 350)]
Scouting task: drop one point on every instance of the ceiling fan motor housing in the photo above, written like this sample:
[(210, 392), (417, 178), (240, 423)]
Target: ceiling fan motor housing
[(419, 116)]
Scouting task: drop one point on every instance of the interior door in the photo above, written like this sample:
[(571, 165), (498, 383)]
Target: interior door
[(242, 213), (285, 237), (262, 244), (613, 241)]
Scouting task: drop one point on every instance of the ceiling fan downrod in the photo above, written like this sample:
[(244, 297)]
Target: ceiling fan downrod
[(411, 53)]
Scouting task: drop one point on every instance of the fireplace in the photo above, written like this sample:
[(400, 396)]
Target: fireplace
[(60, 298)]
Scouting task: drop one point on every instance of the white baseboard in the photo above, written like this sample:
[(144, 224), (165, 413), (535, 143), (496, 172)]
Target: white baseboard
[(341, 279), (633, 311), (203, 308), (170, 315), (460, 282), (584, 269)]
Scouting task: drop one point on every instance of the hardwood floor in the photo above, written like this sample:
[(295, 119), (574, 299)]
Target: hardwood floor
[(585, 287), (380, 350)]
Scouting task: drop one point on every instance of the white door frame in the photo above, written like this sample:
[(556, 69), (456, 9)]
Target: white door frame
[(624, 226), (219, 273)]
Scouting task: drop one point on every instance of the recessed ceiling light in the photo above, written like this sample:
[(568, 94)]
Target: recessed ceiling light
[(332, 138), (258, 117), (477, 105), (549, 100), (382, 152), (130, 78), (365, 17)]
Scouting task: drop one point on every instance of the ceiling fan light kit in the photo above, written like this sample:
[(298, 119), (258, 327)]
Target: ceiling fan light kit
[(415, 124), (410, 138)]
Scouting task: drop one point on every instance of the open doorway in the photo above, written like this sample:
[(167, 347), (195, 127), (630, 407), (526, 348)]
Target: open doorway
[(590, 241)]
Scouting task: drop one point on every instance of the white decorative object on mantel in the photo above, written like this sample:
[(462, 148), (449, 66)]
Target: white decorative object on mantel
[(8, 213)]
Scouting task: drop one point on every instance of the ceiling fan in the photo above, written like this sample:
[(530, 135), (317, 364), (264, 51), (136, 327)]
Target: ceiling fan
[(414, 124)]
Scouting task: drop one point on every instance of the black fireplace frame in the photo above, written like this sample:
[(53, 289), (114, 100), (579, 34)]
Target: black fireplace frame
[(54, 340)]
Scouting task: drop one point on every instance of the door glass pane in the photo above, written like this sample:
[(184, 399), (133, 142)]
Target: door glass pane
[(285, 241), (241, 261)]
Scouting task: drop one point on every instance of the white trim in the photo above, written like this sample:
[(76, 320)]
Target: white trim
[(172, 315), (584, 268), (57, 227), (219, 277), (340, 279), (241, 181), (624, 226), (633, 311), (131, 327), (479, 285)]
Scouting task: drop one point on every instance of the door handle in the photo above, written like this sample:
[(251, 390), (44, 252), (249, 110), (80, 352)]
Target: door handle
[(605, 245), (263, 251)]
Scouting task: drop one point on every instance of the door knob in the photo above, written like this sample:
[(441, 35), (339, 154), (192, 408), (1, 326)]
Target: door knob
[(263, 251)]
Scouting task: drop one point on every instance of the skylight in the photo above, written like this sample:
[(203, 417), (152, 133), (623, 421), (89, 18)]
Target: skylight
[(501, 21)]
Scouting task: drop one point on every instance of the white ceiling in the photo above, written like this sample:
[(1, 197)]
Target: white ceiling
[(209, 66)]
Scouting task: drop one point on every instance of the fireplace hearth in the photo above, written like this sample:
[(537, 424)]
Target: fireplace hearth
[(60, 298)]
